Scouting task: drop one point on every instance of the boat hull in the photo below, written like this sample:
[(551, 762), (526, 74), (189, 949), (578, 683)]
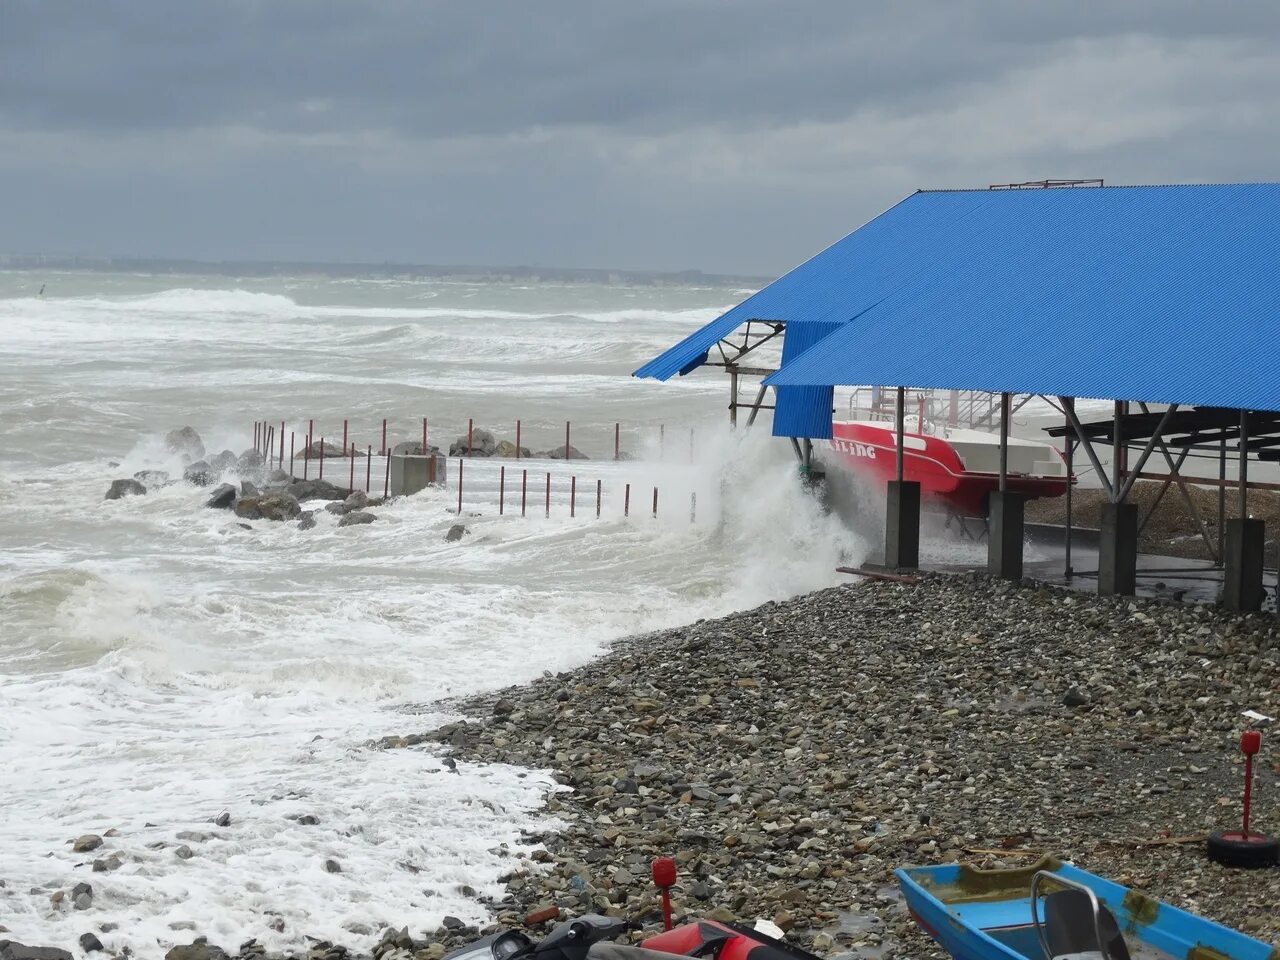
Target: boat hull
[(870, 451)]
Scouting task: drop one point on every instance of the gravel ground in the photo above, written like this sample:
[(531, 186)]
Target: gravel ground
[(792, 756)]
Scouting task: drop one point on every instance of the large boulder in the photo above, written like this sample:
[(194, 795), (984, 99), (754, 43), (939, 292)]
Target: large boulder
[(247, 489), (356, 517), (557, 453), (186, 443), (483, 444), (456, 533), (222, 462), (152, 478), (312, 452), (13, 950), (248, 509), (506, 448), (278, 506), (125, 488), (200, 473), (357, 500), (222, 497), (413, 448), (315, 490), (251, 461)]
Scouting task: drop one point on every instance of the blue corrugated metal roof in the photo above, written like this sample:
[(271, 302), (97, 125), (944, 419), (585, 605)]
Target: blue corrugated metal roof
[(1164, 294), (803, 411)]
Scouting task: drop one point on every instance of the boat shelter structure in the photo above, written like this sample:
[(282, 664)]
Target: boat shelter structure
[(1164, 300)]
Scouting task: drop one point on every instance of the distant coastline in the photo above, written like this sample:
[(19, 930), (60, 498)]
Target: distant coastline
[(399, 271)]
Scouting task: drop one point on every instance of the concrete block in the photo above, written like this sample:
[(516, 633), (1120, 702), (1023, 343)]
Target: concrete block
[(902, 526), (1118, 550), (409, 474), (1004, 545), (1242, 558)]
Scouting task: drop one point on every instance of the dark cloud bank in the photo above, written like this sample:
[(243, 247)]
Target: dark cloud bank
[(730, 136)]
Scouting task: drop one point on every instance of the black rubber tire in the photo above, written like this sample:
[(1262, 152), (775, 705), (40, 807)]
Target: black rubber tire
[(1249, 853)]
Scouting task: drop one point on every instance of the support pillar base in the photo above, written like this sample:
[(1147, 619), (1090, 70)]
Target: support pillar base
[(902, 526), (1004, 545), (1118, 550), (1242, 559)]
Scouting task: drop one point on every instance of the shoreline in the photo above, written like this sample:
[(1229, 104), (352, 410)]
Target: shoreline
[(792, 755)]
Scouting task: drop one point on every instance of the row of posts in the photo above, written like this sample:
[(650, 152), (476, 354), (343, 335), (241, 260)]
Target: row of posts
[(265, 442)]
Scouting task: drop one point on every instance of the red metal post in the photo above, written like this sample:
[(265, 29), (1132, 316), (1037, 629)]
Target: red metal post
[(573, 496), (351, 484), (655, 501), (368, 469), (322, 458), (566, 439), (384, 437), (502, 490), (617, 441), (1250, 743), (599, 492), (517, 439), (471, 428), (291, 453), (344, 436), (460, 486), (281, 444), (524, 490), (626, 502), (306, 460), (311, 432), (386, 481), (257, 425), (424, 436), (548, 495)]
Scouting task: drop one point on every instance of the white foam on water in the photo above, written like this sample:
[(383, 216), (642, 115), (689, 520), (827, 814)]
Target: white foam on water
[(170, 665)]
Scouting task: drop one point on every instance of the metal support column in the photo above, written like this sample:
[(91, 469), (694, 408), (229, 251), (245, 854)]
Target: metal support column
[(902, 519), (1118, 544), (1245, 542), (1005, 512)]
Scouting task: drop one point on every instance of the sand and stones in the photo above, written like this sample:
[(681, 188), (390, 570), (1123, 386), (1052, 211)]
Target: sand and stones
[(790, 757)]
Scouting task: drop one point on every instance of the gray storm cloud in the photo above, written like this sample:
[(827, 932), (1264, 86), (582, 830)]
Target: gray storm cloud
[(729, 136)]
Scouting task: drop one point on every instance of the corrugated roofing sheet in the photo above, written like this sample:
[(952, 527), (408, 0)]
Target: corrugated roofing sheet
[(803, 411), (1165, 294)]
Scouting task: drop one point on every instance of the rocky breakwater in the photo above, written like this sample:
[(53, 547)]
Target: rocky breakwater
[(790, 757)]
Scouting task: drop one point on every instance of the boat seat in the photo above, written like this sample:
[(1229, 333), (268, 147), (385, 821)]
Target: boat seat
[(1072, 934)]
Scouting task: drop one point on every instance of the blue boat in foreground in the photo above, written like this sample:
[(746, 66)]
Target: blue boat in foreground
[(988, 915)]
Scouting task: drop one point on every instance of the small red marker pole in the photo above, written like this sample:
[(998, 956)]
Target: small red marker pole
[(617, 441), (368, 469), (1250, 744), (424, 436), (386, 480), (626, 502), (663, 871), (599, 494), (517, 439), (351, 484), (256, 427), (344, 436), (471, 429), (502, 490), (548, 495), (322, 458), (460, 462), (566, 439), (291, 453), (573, 496), (524, 491), (281, 444), (384, 437), (655, 501)]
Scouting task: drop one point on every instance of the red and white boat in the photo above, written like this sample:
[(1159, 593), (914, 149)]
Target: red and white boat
[(955, 466)]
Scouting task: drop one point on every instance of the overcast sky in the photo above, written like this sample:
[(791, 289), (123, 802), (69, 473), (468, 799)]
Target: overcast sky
[(736, 136)]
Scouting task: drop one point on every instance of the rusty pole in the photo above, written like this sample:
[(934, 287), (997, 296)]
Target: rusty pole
[(617, 441), (291, 453), (599, 492), (471, 426), (368, 470), (383, 451), (573, 495), (655, 501), (502, 489), (524, 491), (460, 462), (517, 439), (322, 458), (386, 481), (548, 495), (626, 502)]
